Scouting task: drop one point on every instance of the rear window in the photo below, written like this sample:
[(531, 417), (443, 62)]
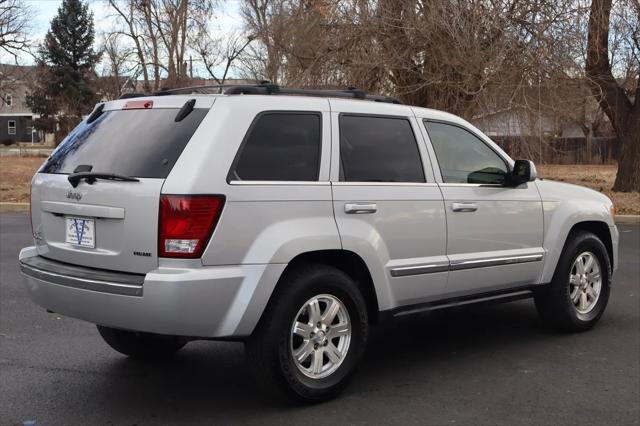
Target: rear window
[(142, 143), (280, 146)]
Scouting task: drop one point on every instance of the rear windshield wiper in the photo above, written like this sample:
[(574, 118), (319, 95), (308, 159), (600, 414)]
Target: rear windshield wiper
[(185, 110), (91, 177), (97, 112)]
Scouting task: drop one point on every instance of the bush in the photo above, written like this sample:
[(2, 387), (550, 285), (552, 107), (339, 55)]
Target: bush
[(7, 142)]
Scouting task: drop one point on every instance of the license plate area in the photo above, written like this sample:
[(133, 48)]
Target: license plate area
[(80, 231)]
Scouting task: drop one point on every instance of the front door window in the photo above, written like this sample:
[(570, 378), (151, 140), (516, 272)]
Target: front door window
[(463, 157)]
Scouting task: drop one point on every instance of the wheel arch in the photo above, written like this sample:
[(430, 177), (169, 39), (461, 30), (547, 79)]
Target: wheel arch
[(597, 227), (600, 229), (348, 262)]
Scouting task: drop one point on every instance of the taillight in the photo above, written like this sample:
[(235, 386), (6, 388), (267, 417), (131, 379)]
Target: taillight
[(186, 223), (30, 206)]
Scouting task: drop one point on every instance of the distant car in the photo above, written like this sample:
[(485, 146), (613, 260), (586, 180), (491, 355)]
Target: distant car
[(293, 220)]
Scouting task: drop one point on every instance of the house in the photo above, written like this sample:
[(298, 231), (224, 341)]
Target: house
[(565, 109), (16, 118), (518, 121), (551, 123)]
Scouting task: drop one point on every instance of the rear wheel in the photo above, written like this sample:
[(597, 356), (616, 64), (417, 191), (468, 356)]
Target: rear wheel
[(146, 346), (311, 335), (577, 296)]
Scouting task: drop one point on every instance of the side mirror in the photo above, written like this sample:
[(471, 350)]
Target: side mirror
[(523, 171)]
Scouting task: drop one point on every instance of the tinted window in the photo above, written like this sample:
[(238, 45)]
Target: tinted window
[(463, 157), (141, 143), (375, 149), (280, 146)]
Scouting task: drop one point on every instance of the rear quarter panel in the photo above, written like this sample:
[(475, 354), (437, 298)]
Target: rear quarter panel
[(262, 222)]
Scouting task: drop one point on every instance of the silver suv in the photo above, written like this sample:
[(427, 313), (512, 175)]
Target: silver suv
[(293, 220)]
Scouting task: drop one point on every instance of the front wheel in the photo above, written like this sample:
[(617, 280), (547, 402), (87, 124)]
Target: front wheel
[(312, 334), (579, 291)]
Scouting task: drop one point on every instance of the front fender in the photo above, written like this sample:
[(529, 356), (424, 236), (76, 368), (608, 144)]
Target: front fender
[(564, 207)]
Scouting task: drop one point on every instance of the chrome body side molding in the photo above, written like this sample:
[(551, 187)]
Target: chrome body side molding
[(464, 264), (496, 261), (419, 269)]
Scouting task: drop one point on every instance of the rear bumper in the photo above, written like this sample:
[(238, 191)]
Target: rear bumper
[(211, 302), (67, 275)]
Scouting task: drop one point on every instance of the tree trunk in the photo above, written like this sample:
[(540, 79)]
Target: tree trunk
[(129, 20), (628, 177), (182, 36), (623, 114), (146, 11)]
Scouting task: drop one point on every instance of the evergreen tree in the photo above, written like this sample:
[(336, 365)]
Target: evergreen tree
[(64, 90)]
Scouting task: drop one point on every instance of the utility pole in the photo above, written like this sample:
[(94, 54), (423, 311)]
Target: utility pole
[(191, 66)]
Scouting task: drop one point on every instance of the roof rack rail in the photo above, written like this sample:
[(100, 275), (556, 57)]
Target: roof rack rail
[(267, 88), (193, 89)]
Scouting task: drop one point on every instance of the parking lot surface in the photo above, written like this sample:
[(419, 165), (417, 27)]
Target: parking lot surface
[(479, 365)]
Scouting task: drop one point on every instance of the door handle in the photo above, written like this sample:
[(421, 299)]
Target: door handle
[(360, 208), (464, 207)]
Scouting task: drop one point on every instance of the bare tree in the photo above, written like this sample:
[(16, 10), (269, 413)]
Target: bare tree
[(128, 12), (265, 19), (159, 31), (620, 104), (219, 54), (119, 66), (14, 27), (442, 54)]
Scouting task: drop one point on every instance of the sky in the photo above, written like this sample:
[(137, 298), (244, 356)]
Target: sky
[(227, 19)]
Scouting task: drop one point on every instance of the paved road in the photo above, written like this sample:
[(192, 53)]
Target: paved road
[(484, 365)]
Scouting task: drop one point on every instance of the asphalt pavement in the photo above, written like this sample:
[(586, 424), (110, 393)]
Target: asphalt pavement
[(473, 366)]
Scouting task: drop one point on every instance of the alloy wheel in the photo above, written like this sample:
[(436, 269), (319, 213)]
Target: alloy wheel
[(320, 336), (585, 282)]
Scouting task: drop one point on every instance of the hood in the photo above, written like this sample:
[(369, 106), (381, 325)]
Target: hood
[(551, 190)]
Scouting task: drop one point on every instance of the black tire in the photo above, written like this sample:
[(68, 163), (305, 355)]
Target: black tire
[(143, 346), (553, 301), (269, 349)]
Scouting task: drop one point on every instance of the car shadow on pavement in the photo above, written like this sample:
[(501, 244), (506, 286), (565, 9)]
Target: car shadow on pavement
[(212, 377)]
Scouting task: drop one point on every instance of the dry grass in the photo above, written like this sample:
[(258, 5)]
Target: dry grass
[(16, 173), (15, 177), (595, 177)]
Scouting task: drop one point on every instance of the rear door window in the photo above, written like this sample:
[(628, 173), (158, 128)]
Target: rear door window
[(280, 146), (143, 143), (378, 149)]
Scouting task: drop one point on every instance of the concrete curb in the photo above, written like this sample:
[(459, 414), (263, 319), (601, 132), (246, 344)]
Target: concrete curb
[(14, 207), (628, 218), (24, 207), (30, 152)]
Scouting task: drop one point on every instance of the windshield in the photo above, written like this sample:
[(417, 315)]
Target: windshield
[(142, 143)]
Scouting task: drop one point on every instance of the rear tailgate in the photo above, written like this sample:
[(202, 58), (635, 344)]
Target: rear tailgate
[(110, 224)]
